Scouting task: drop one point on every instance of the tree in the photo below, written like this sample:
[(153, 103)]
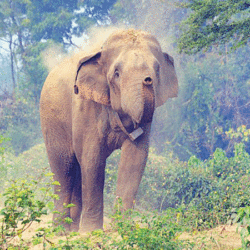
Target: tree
[(29, 26), (215, 22), (5, 77), (27, 29)]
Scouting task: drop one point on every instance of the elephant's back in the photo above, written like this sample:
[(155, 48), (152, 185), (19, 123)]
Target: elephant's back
[(56, 93), (56, 98), (58, 87)]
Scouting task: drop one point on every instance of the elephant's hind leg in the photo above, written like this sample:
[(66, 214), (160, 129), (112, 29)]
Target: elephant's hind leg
[(66, 171), (70, 191), (62, 163)]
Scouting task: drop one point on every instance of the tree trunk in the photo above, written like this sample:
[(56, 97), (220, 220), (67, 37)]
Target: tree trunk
[(12, 67)]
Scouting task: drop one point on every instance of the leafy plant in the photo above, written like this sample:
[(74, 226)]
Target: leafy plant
[(146, 231), (214, 22), (20, 121), (22, 207), (243, 219), (3, 169)]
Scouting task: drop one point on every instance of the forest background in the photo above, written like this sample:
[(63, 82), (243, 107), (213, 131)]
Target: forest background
[(214, 82), (213, 73), (199, 158)]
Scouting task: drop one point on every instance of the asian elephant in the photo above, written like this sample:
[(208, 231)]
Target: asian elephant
[(92, 106)]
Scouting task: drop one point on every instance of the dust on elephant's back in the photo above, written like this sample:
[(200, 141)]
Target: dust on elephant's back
[(94, 103)]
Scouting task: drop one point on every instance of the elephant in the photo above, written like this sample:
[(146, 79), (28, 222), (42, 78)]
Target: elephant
[(97, 102)]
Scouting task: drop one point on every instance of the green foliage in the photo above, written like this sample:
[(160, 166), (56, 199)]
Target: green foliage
[(229, 187), (167, 182), (207, 192), (111, 179), (20, 121), (243, 219), (61, 20), (2, 148), (98, 9), (213, 97), (5, 74), (128, 229), (146, 231), (33, 162), (240, 135), (50, 20), (28, 27), (3, 170), (189, 196), (35, 70), (214, 22), (22, 208)]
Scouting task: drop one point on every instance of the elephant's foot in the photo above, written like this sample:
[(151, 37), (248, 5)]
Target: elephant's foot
[(74, 227), (89, 228), (89, 225)]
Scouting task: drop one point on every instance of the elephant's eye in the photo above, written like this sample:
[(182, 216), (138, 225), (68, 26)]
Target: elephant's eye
[(116, 74)]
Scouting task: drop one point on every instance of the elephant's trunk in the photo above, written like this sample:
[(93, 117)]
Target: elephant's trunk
[(149, 101), (139, 104)]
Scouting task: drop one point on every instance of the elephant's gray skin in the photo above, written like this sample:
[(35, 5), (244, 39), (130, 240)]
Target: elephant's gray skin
[(89, 106)]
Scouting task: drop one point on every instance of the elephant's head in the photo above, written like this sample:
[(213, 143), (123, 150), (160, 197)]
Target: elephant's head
[(130, 73)]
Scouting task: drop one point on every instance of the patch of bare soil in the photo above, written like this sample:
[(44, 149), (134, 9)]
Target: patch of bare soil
[(224, 237), (46, 221), (29, 233)]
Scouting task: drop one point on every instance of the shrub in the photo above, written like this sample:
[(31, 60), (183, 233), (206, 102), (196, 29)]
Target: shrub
[(20, 121), (33, 162), (23, 206)]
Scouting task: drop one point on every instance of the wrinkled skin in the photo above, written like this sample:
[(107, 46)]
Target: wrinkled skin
[(116, 91)]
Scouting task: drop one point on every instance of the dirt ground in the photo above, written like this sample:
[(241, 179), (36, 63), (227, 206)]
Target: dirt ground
[(223, 237)]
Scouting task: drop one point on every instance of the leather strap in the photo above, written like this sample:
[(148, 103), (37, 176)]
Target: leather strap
[(134, 135)]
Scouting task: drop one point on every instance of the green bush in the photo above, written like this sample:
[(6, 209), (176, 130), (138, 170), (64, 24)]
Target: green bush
[(146, 231), (243, 220), (24, 203), (33, 162), (20, 121), (3, 168), (229, 187), (206, 192), (167, 182)]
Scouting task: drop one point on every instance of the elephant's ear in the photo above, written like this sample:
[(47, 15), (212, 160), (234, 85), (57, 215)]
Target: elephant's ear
[(91, 82), (168, 84)]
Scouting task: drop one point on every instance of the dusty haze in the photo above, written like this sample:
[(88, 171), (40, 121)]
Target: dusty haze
[(153, 16)]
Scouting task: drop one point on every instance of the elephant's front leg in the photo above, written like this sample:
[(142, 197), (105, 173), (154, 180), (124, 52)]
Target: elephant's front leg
[(93, 171), (93, 184), (132, 164)]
